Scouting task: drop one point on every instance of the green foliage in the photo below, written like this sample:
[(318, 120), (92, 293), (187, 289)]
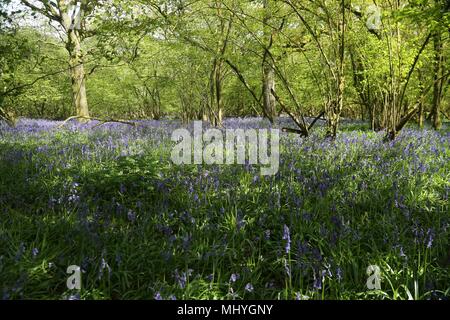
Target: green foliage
[(154, 58)]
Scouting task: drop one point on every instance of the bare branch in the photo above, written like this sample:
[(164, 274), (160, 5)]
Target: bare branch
[(46, 11), (102, 121)]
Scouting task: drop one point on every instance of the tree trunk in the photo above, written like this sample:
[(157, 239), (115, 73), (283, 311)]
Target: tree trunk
[(438, 81), (420, 114), (218, 112), (268, 86), (332, 125), (78, 76), (268, 68), (76, 60), (336, 106), (421, 110), (216, 104)]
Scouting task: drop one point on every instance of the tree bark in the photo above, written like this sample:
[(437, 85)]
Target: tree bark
[(78, 76), (269, 85), (421, 110), (216, 102), (438, 81), (76, 63), (336, 106), (268, 68)]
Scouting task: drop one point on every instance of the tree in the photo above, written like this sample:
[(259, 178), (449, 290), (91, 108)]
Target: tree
[(70, 15)]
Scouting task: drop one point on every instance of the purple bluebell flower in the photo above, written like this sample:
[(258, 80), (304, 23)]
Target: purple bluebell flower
[(287, 237), (183, 277), (317, 283), (157, 296), (131, 215), (187, 242), (307, 216), (249, 287), (430, 233), (402, 254), (234, 277), (104, 265), (20, 252), (339, 274), (317, 255)]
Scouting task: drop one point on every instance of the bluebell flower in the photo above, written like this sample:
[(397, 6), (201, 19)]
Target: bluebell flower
[(187, 242), (339, 274), (158, 296), (234, 277), (104, 265), (287, 237), (317, 255), (240, 222), (20, 252), (249, 287), (317, 283), (131, 215), (402, 254), (430, 233)]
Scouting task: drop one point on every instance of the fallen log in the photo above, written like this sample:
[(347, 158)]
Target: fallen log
[(102, 121), (297, 131)]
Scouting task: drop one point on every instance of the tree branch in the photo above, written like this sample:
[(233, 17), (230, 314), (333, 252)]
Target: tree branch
[(102, 121), (47, 11), (303, 130)]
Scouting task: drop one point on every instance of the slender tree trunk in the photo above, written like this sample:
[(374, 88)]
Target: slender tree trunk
[(215, 112), (268, 68), (337, 105), (420, 116), (218, 112), (268, 86), (372, 118), (421, 109), (438, 81)]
